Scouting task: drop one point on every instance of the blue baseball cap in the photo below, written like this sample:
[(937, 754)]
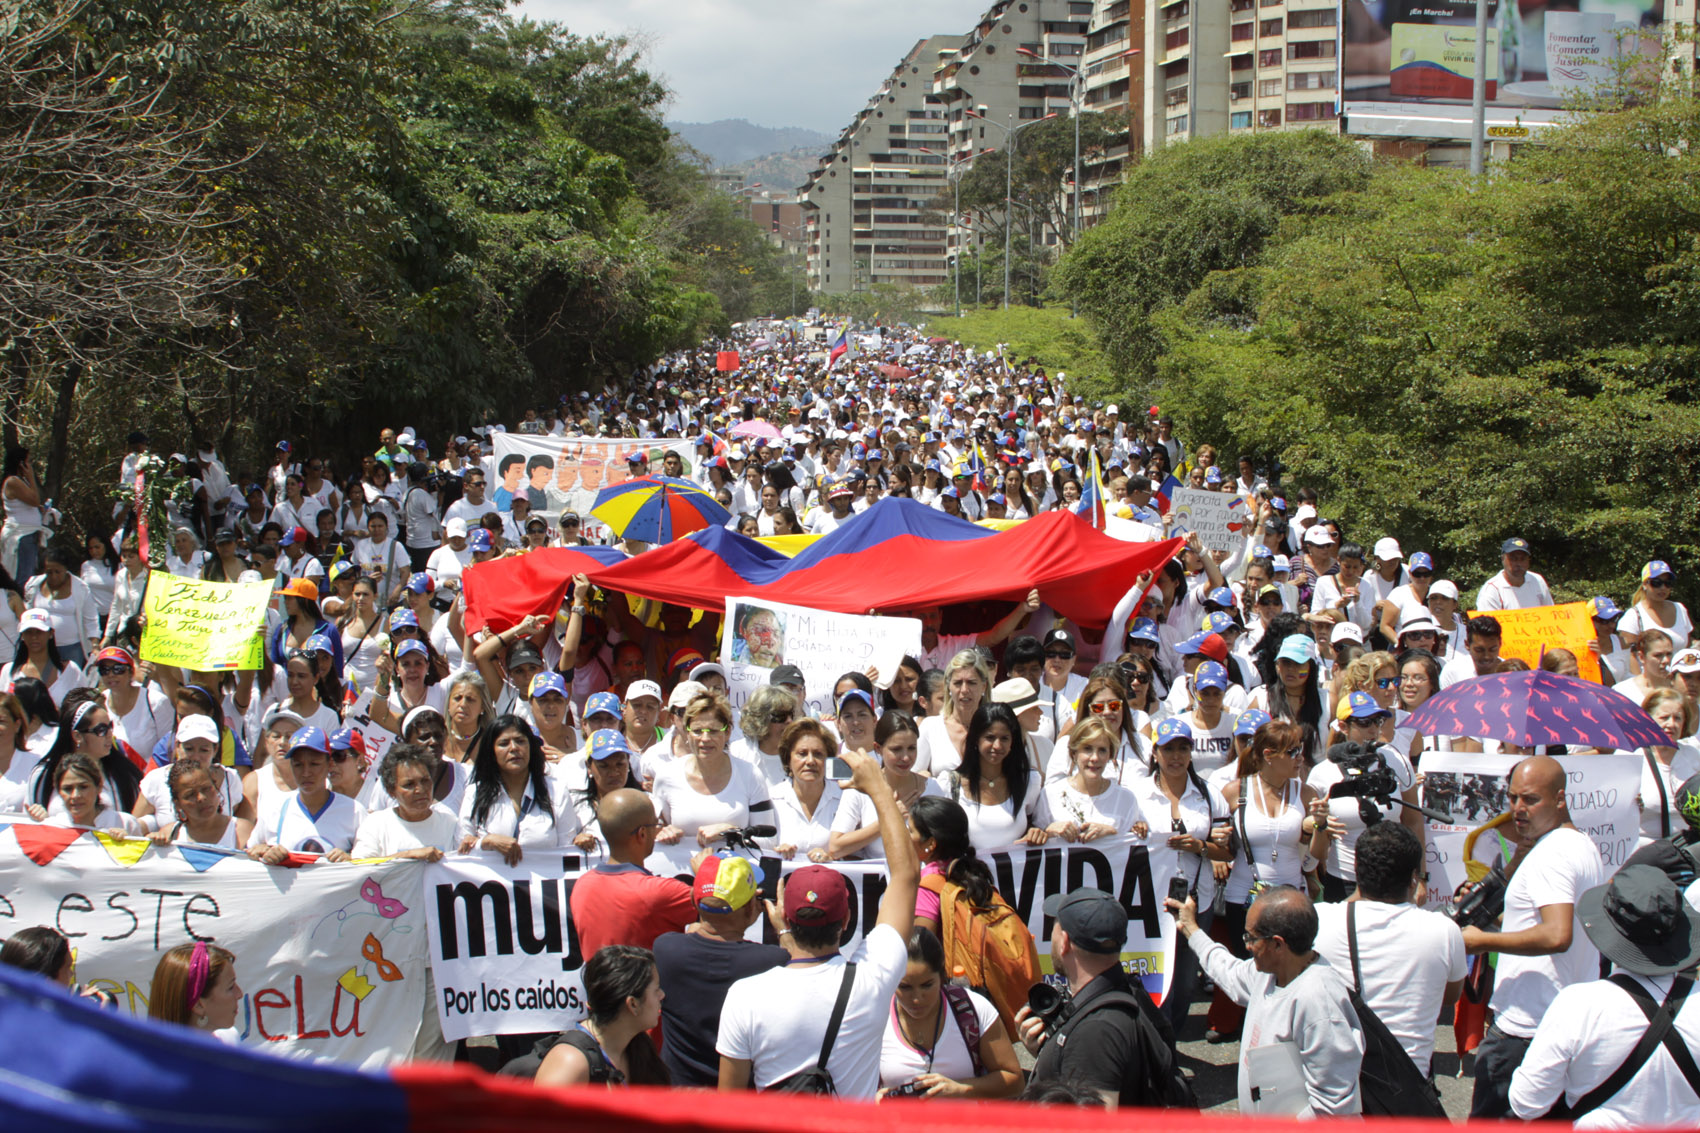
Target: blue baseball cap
[(1144, 629), (1605, 609), (1297, 648), (311, 738), (342, 739), (997, 498), (1420, 561), (951, 492), (1363, 706), (1190, 646), (319, 643), (1173, 728), (855, 694), (421, 583), (1213, 475), (545, 683), (1514, 544), (480, 539), (1210, 675), (412, 645), (606, 742), (1262, 552), (403, 619), (1221, 596), (1657, 568), (1249, 721), (602, 702), (934, 466), (1219, 622)]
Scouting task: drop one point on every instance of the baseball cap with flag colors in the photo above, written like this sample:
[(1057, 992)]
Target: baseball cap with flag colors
[(724, 885)]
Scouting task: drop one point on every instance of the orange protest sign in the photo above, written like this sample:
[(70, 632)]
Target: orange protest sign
[(1528, 632)]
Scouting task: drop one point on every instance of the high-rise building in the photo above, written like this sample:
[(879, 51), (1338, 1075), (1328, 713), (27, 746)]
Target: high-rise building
[(870, 206)]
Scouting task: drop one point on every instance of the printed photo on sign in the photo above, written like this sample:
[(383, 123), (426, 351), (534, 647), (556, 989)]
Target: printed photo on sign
[(758, 638), (557, 474), (761, 636), (1466, 799)]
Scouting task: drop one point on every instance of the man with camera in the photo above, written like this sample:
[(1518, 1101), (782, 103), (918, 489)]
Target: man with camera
[(1296, 1003), (1105, 1033), (1412, 961), (1540, 945)]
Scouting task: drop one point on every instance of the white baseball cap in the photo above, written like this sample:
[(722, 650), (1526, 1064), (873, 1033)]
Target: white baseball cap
[(1387, 550), (643, 688), (454, 527), (1445, 588), (1319, 535), (1347, 631), (35, 618)]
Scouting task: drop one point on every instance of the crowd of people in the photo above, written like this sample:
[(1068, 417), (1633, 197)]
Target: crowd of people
[(1209, 715)]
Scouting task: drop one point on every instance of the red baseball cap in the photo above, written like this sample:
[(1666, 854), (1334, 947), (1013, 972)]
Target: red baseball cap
[(1214, 648), (816, 894)]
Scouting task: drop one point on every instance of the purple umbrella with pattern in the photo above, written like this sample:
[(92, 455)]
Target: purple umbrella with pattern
[(1535, 708)]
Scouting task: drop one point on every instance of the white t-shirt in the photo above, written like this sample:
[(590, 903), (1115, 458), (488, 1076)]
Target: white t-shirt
[(1116, 807), (534, 825), (385, 832), (856, 811), (743, 798), (155, 789), (1497, 593), (1326, 596), (777, 1019), (1342, 852), (1636, 621), (901, 1063), (933, 750), (995, 827), (149, 718), (1212, 747), (1557, 871), (289, 824), (1408, 956)]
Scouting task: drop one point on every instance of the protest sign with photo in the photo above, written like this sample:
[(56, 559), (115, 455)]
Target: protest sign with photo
[(331, 960), (1530, 632), (557, 474), (1472, 788), (759, 636), (204, 625), (1218, 518)]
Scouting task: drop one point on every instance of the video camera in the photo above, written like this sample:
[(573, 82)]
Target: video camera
[(745, 838), (1366, 777), (1480, 904)]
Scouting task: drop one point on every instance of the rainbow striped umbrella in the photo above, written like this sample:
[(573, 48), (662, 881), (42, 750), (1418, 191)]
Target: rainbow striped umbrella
[(657, 509)]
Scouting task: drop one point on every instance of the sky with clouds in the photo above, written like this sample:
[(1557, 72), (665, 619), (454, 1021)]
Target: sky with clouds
[(808, 63)]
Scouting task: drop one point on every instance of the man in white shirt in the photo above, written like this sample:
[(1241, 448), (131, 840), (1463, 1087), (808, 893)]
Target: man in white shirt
[(1480, 655), (1541, 951), (1516, 587), (454, 556), (773, 1024), (1293, 997), (1639, 923), (472, 505), (1412, 960)]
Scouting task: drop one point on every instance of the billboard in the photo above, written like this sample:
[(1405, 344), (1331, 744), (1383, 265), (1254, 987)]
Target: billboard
[(1407, 66)]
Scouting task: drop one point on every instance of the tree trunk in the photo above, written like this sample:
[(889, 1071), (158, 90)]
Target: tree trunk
[(59, 434), (17, 381)]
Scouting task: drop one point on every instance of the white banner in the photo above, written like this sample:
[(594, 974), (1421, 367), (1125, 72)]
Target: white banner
[(1472, 788), (330, 958), (758, 636), (564, 473), (1220, 519)]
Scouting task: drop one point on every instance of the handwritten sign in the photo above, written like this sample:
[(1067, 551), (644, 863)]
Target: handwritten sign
[(760, 636), (1218, 518), (1531, 631), (204, 625), (1471, 788)]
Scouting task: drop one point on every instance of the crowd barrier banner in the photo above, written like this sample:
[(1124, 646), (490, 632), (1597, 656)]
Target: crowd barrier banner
[(204, 625), (560, 474), (1531, 632), (1218, 518), (331, 959), (758, 636), (1472, 788)]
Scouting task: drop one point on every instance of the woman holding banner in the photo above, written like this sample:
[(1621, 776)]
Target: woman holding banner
[(708, 792), (856, 826), (511, 806), (202, 815), (806, 804), (77, 784), (198, 740), (997, 788), (1087, 805)]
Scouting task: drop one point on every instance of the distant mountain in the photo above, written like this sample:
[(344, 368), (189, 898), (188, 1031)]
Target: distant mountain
[(781, 172), (732, 141)]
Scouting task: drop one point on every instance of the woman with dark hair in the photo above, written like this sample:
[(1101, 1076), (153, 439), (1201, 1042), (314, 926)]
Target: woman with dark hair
[(302, 620), (806, 804), (37, 655), (77, 781), (1295, 692), (509, 807), (926, 1051), (194, 985), (612, 1047), (1419, 679), (85, 728), (198, 740), (996, 785), (608, 767), (20, 538), (940, 829), (41, 715), (856, 826), (99, 571), (200, 815), (417, 826), (901, 694)]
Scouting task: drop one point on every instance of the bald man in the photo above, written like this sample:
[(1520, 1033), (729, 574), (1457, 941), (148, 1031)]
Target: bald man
[(1542, 948), (619, 901)]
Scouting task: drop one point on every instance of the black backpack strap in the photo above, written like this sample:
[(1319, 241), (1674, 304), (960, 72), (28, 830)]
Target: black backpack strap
[(1664, 794), (1239, 816), (837, 1020), (1352, 945), (1660, 1021)]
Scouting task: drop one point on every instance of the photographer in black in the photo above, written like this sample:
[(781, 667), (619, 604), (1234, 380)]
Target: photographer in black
[(1356, 787), (1104, 1032), (1679, 855)]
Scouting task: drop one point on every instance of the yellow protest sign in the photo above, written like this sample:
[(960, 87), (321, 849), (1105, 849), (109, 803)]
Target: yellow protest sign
[(1527, 632), (204, 625)]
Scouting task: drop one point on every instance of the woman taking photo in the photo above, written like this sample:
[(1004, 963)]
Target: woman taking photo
[(77, 783), (85, 728), (37, 656), (1667, 767), (510, 805), (417, 826), (944, 737), (806, 804), (1002, 796), (1278, 843), (707, 793), (856, 826), (612, 1047), (196, 792), (763, 721), (926, 1051), (20, 538), (194, 985), (1087, 805)]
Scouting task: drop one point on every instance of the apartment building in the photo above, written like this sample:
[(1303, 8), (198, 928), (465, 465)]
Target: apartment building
[(869, 209), (1282, 66)]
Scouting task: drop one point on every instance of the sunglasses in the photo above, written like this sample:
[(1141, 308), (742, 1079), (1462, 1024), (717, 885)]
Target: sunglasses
[(111, 670), (1422, 574), (1137, 677), (711, 731), (1106, 707), (1270, 601), (1664, 582), (1059, 655), (342, 756), (782, 717), (1386, 682), (97, 730)]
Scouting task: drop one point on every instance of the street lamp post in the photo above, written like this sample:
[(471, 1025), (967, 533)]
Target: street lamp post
[(955, 206), (1075, 79), (1011, 137)]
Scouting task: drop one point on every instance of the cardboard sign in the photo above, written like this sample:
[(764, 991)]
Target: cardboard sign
[(1530, 632), (1219, 519), (759, 636), (204, 625)]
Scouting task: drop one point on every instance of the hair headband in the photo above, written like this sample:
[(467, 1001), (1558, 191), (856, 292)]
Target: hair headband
[(83, 710), (200, 968)]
